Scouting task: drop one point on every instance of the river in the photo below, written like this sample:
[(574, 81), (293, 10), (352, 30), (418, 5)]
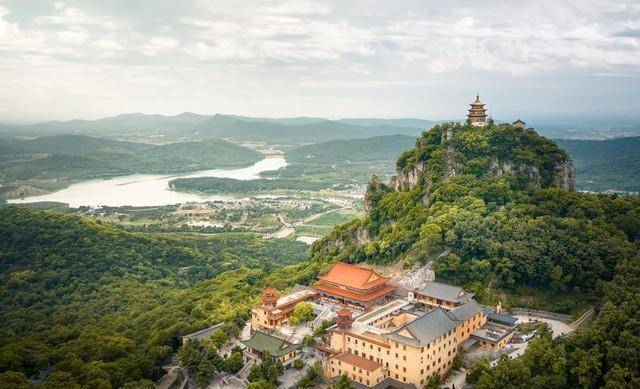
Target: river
[(148, 189)]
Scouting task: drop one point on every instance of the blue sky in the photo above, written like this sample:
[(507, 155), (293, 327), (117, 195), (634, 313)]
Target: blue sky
[(427, 59)]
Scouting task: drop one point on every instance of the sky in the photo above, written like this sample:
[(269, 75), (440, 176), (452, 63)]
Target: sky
[(426, 59)]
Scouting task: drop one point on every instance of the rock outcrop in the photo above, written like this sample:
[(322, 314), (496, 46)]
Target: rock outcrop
[(565, 175)]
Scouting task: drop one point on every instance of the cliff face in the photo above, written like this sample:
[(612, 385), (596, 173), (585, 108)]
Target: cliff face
[(448, 151), (565, 175)]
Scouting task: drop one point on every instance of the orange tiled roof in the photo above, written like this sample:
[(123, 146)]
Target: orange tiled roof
[(353, 276), (353, 295), (355, 360)]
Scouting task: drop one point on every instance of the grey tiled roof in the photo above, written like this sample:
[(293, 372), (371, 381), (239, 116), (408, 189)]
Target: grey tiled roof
[(425, 328), (502, 319), (466, 310), (205, 333), (444, 291)]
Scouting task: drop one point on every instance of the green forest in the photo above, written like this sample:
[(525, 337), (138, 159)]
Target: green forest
[(512, 237), (103, 307)]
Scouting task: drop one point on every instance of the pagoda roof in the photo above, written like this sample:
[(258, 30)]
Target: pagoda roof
[(353, 276), (477, 101), (353, 295), (262, 342)]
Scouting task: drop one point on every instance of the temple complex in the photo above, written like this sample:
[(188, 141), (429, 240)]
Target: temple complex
[(378, 338), (477, 113), (354, 286)]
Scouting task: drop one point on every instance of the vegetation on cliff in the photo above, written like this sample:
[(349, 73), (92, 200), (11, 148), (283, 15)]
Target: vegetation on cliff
[(490, 207)]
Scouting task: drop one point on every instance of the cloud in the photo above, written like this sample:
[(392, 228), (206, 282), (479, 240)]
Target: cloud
[(300, 50)]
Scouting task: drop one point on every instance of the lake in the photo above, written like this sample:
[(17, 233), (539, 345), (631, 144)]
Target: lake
[(148, 189)]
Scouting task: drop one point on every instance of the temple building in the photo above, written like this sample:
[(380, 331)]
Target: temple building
[(278, 348), (351, 285), (274, 310), (397, 345), (519, 124), (477, 113), (435, 294), (403, 344)]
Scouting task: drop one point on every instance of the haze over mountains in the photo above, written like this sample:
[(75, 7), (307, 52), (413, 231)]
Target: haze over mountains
[(191, 125), (289, 130)]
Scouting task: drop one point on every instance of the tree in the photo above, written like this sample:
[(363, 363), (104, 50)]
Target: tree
[(234, 362), (434, 382), (457, 362), (13, 380), (60, 380), (343, 383), (312, 376), (476, 369), (302, 313), (261, 384), (269, 370), (142, 384), (298, 363)]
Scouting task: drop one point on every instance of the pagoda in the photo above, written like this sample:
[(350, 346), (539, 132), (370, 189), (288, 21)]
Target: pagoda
[(477, 113)]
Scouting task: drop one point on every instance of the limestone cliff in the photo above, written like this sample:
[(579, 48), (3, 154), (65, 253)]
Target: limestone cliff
[(452, 150)]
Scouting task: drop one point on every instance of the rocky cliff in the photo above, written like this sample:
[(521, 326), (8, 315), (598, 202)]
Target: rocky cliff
[(454, 150)]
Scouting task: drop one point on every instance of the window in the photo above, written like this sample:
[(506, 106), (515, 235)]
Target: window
[(404, 369), (404, 357), (404, 347)]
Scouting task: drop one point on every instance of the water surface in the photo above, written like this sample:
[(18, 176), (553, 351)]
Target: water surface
[(148, 189)]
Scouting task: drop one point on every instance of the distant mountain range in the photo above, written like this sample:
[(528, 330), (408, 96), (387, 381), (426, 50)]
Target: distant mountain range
[(241, 128), (294, 130)]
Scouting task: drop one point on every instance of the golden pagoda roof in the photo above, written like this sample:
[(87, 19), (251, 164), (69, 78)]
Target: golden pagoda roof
[(477, 101)]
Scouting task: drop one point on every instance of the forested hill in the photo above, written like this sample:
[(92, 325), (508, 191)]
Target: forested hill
[(104, 307), (494, 209), (605, 164)]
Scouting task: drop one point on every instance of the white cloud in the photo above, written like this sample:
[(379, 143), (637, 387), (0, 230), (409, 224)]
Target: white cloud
[(298, 47)]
